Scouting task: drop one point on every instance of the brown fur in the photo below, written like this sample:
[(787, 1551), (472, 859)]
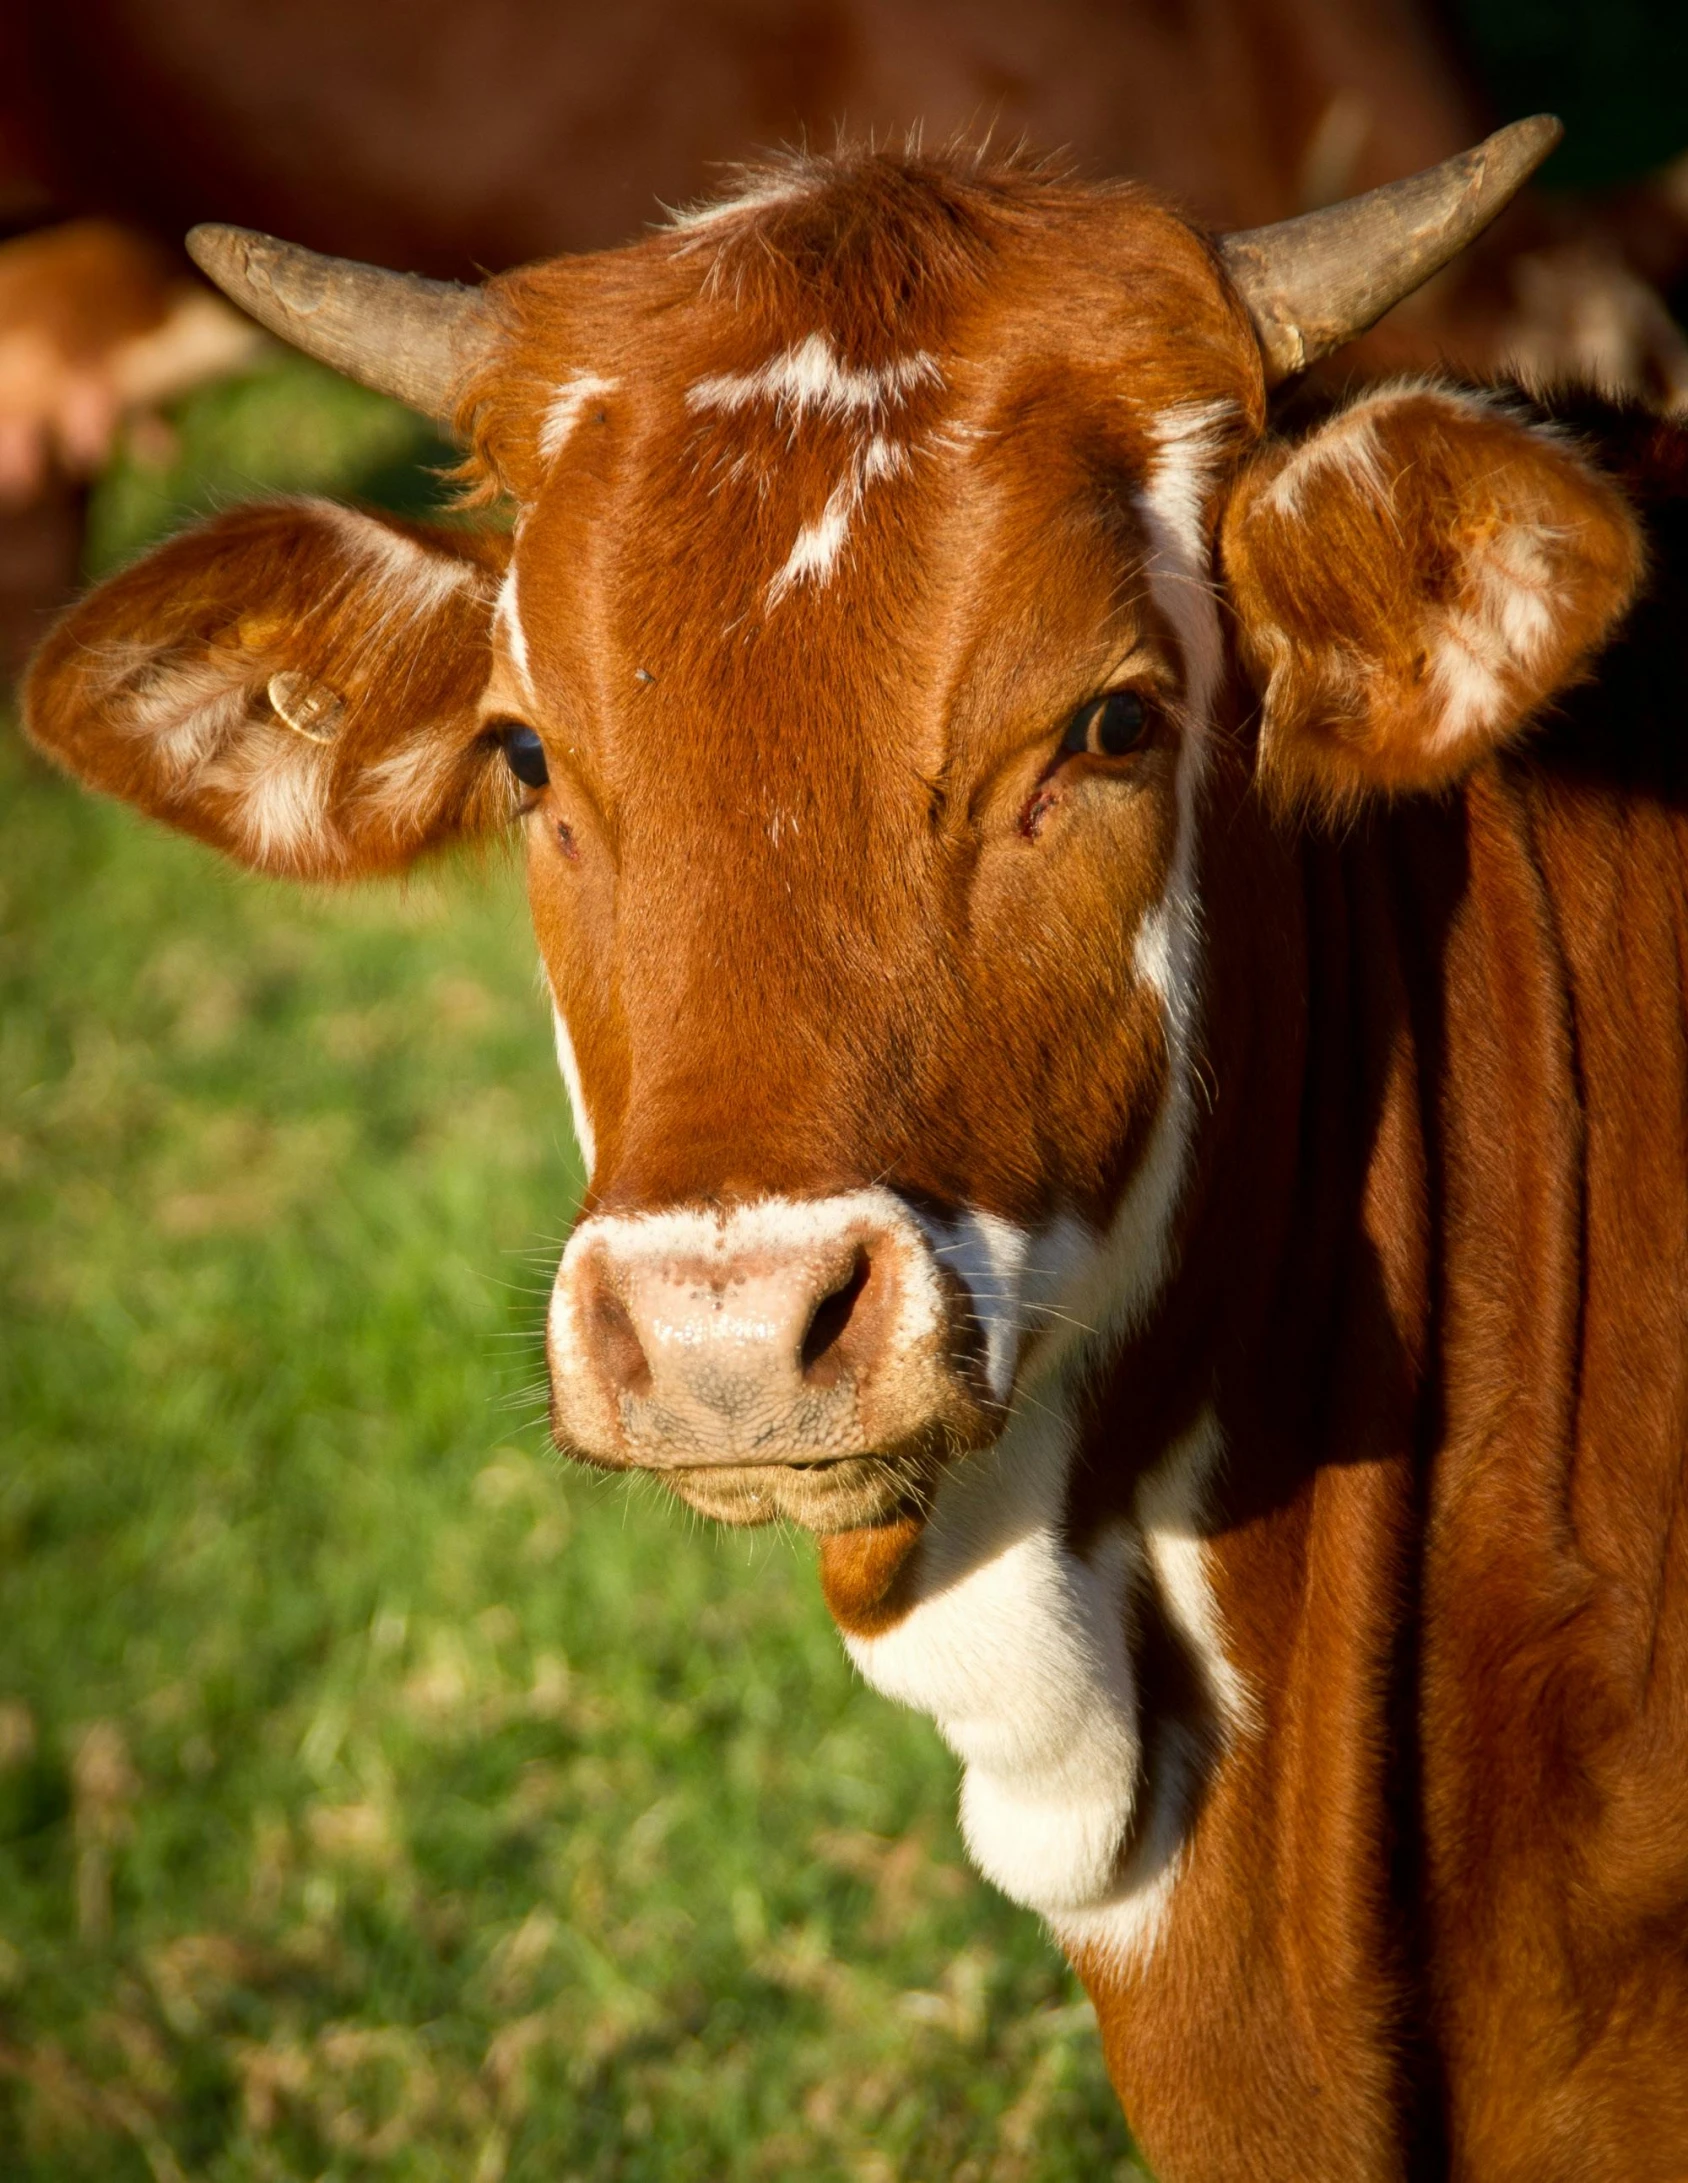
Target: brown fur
[(1353, 575), (204, 625), (825, 905)]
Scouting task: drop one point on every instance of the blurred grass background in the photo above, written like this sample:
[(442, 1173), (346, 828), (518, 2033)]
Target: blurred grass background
[(375, 1799)]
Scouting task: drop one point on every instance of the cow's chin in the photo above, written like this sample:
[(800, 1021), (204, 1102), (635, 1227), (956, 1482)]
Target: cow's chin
[(841, 1495), (834, 1493), (819, 1492)]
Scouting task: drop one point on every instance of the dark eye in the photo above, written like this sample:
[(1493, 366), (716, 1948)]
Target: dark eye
[(524, 754), (1108, 727)]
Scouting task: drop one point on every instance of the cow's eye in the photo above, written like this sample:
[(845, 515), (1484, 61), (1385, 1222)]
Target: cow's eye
[(524, 754), (1108, 727)]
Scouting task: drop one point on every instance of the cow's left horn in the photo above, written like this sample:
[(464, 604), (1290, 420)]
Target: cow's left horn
[(1313, 283), (396, 332)]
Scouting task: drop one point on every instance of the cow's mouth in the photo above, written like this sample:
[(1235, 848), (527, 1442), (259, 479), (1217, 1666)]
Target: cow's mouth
[(825, 1494), (842, 1493)]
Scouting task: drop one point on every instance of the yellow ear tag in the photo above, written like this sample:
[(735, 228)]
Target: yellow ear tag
[(309, 708)]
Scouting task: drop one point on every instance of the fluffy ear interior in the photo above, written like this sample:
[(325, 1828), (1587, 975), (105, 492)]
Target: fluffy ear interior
[(295, 683), (1411, 582)]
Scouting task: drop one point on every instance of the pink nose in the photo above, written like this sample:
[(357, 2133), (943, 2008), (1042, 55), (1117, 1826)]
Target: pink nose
[(732, 1338), (778, 1333)]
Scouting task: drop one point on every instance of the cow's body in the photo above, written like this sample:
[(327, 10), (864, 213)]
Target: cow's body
[(1420, 1389), (1214, 1275)]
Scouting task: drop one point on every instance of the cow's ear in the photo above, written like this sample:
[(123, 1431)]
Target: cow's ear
[(295, 683), (1411, 582)]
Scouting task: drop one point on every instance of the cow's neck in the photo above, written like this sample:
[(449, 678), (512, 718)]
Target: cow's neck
[(1104, 1612), (1301, 1310), (1055, 1616)]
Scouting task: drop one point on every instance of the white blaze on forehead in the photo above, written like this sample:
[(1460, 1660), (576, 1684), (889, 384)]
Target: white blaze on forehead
[(815, 554), (882, 458), (566, 407), (812, 378)]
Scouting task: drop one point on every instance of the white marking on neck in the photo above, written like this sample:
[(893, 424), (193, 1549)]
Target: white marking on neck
[(1169, 1514), (566, 407), (1021, 1650), (1017, 1649), (1012, 1275)]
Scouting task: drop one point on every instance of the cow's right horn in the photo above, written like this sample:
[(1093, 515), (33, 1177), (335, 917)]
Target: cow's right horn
[(402, 335), (1315, 282)]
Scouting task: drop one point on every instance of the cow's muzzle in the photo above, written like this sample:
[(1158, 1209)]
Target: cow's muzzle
[(799, 1358)]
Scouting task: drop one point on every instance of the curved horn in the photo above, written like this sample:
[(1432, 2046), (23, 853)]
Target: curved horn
[(395, 332), (1313, 283)]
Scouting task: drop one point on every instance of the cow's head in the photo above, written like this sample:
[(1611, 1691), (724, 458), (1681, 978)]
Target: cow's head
[(852, 670)]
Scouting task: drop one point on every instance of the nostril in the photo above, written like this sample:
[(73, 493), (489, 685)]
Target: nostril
[(822, 1355), (620, 1351)]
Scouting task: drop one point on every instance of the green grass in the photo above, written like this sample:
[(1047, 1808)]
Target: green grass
[(376, 1798)]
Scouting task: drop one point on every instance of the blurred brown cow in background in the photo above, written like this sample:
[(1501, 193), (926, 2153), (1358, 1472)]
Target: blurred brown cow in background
[(453, 138)]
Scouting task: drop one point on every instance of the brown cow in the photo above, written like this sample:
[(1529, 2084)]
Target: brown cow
[(1215, 1279)]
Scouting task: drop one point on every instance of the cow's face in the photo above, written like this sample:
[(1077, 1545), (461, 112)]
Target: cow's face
[(852, 671), (866, 660)]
